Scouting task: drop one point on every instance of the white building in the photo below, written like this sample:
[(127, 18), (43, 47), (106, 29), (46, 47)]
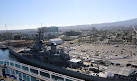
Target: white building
[(56, 40)]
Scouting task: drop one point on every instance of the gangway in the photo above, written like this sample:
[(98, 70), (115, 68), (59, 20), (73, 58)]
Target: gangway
[(24, 72)]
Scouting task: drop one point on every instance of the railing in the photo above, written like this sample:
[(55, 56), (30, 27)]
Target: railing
[(24, 72)]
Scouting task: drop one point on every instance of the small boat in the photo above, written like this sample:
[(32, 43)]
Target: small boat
[(3, 47)]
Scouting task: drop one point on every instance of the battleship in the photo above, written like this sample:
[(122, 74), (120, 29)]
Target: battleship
[(41, 52), (52, 59)]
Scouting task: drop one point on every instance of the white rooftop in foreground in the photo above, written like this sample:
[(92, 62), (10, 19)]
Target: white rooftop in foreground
[(75, 60)]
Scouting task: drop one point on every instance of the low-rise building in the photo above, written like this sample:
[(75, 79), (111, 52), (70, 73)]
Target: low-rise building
[(120, 71), (58, 41)]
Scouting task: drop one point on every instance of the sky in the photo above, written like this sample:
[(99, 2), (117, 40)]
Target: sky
[(28, 14)]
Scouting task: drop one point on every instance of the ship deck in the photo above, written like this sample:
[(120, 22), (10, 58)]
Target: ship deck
[(7, 79)]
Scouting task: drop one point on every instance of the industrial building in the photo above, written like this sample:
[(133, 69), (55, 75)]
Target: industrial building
[(119, 71), (58, 41)]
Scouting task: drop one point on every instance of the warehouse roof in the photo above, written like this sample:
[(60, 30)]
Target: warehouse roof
[(56, 39), (75, 60), (125, 71)]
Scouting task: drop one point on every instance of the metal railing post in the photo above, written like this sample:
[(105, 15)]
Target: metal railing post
[(39, 73), (50, 76), (14, 68), (64, 79), (21, 73), (17, 75), (29, 73), (22, 76), (29, 78)]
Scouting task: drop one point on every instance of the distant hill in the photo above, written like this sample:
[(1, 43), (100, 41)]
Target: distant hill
[(110, 25), (23, 30)]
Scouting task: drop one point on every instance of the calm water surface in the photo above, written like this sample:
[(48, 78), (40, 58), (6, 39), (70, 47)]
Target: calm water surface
[(4, 54)]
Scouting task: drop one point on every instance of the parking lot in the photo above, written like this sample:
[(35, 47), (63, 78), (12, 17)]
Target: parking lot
[(122, 54)]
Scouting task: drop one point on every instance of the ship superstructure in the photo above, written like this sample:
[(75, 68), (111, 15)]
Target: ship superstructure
[(42, 52)]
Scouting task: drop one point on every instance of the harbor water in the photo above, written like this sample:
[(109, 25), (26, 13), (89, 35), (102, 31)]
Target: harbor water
[(4, 54)]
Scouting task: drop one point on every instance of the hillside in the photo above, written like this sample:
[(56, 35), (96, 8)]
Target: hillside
[(122, 24)]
